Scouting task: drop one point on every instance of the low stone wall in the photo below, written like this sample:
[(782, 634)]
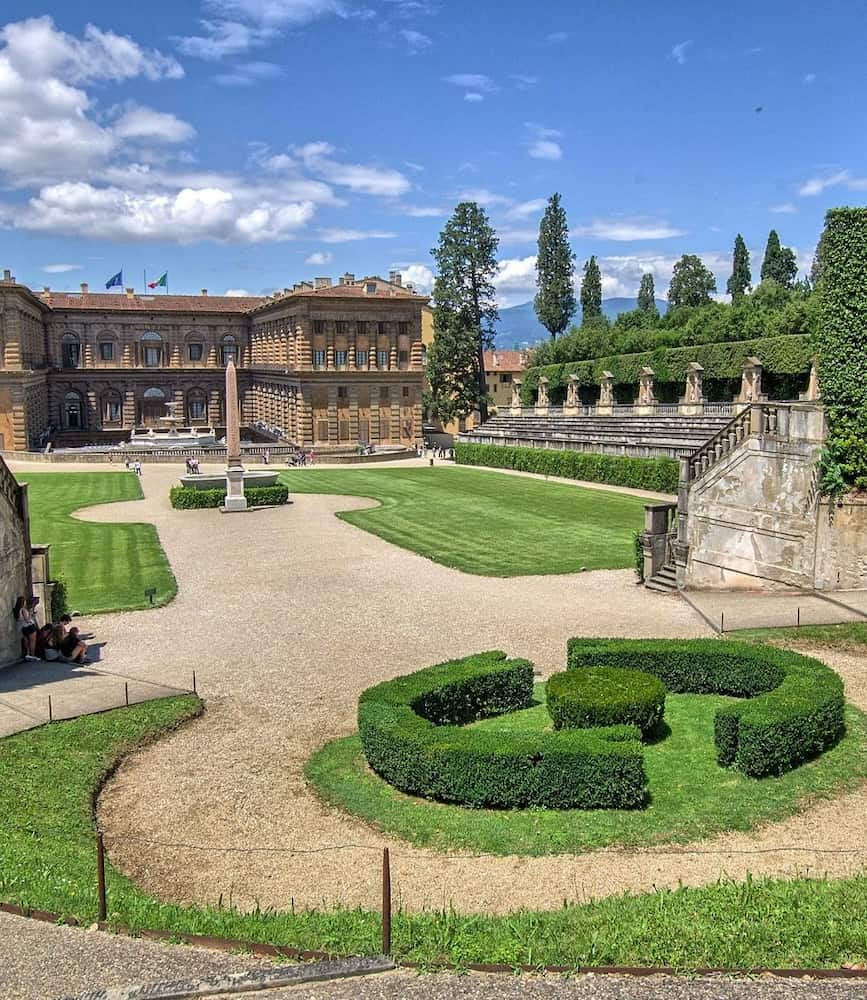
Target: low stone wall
[(841, 544), (594, 445), (14, 561)]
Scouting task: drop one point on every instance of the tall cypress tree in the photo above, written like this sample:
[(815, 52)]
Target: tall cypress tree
[(647, 294), (780, 263), (555, 301), (741, 277), (591, 291), (465, 312)]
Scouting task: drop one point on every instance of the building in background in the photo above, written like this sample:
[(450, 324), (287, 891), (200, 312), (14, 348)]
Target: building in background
[(319, 363)]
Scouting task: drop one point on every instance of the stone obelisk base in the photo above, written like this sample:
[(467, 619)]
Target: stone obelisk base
[(235, 499)]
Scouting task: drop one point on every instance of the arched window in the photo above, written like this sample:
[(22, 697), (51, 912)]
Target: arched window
[(73, 411), (152, 350), (70, 348), (112, 410), (154, 393), (197, 406), (229, 350)]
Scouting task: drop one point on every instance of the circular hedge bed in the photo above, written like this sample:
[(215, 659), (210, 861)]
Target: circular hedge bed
[(605, 696), (414, 732)]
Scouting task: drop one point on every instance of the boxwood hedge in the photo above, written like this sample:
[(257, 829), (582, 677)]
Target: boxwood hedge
[(189, 498), (605, 696), (793, 707), (658, 474), (410, 730)]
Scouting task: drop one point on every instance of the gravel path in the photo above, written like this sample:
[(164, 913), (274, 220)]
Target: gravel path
[(286, 615)]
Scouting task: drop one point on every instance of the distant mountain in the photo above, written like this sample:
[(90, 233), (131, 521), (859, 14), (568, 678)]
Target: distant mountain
[(518, 326)]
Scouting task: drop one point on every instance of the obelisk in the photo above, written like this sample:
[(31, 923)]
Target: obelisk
[(235, 499)]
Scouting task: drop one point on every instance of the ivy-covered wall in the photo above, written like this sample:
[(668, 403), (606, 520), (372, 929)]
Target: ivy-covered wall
[(786, 361)]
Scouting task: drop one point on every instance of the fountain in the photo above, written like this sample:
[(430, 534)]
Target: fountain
[(171, 437)]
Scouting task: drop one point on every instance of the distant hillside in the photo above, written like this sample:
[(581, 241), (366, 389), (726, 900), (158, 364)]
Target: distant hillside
[(518, 326)]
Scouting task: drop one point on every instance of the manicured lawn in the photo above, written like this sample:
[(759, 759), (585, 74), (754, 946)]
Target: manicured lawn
[(47, 860), (106, 567), (692, 797), (486, 522), (847, 635)]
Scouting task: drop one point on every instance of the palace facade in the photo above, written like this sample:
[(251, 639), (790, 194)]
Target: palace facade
[(319, 364)]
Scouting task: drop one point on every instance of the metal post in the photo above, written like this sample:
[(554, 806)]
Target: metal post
[(386, 902), (722, 621), (194, 683), (50, 712), (799, 616), (100, 878)]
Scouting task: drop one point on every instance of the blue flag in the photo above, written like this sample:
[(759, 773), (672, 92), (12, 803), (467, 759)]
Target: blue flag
[(116, 280)]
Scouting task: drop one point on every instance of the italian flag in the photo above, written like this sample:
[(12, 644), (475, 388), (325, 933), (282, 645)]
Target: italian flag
[(161, 282)]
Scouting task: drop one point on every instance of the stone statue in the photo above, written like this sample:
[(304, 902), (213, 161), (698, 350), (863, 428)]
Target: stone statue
[(235, 499), (645, 388), (542, 395), (516, 393), (606, 389), (813, 391), (751, 381), (572, 392), (694, 386)]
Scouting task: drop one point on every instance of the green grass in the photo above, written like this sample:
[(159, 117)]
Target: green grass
[(106, 567), (692, 797), (487, 523), (844, 636), (47, 860)]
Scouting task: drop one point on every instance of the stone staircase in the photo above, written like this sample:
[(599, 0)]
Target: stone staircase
[(665, 581)]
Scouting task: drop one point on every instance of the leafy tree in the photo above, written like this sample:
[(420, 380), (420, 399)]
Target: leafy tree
[(465, 312), (647, 295), (691, 283), (591, 291), (741, 277), (555, 300), (780, 263)]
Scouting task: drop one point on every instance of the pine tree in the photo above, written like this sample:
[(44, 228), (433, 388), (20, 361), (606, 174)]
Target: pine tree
[(555, 301), (591, 291), (691, 283), (465, 312), (647, 295), (780, 263), (741, 277)]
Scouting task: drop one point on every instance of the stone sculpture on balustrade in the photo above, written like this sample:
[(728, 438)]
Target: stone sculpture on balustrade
[(813, 393), (573, 401), (751, 385), (691, 404), (515, 409), (605, 407), (542, 398), (645, 405)]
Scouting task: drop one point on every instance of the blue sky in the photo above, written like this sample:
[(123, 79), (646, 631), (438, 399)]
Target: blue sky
[(248, 144)]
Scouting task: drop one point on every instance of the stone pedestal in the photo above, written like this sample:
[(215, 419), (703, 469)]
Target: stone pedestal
[(605, 406), (515, 408), (645, 405), (691, 404), (542, 398), (235, 499), (573, 400)]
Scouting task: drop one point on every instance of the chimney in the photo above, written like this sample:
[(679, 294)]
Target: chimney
[(395, 277), (322, 282), (46, 289), (84, 288), (348, 279), (130, 293), (204, 291), (410, 287), (7, 277)]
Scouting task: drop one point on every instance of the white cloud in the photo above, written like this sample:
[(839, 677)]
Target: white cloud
[(810, 78), (629, 229), (476, 85), (557, 37), (678, 52), (319, 258), (523, 81), (237, 293), (515, 280), (525, 208), (413, 166), (423, 211), (248, 73), (545, 149), (786, 208), (416, 41), (357, 177), (222, 39), (420, 276), (510, 236), (816, 185), (473, 97), (483, 197), (139, 122), (276, 13), (621, 273), (61, 268), (335, 235)]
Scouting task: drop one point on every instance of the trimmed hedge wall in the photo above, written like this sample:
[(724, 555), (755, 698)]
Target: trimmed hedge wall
[(189, 498), (793, 708), (404, 742), (789, 355), (657, 474), (605, 696)]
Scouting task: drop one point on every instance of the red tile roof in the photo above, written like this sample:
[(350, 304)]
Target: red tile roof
[(505, 361), (111, 302)]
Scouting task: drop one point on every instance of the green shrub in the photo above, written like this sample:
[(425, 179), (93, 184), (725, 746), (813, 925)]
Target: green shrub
[(59, 600), (793, 708), (605, 696), (659, 475), (189, 498), (404, 742), (639, 555)]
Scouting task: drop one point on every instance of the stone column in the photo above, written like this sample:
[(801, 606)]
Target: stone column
[(515, 408), (542, 398), (645, 405), (691, 404), (570, 408), (235, 499), (605, 406)]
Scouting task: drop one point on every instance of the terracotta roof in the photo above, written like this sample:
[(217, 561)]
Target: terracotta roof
[(356, 290), (114, 301), (505, 361)]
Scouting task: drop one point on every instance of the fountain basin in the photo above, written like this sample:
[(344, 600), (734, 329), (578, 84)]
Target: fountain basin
[(212, 481)]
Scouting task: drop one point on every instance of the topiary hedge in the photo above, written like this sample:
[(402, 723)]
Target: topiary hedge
[(189, 498), (793, 707), (787, 355), (605, 696), (410, 730), (657, 474)]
